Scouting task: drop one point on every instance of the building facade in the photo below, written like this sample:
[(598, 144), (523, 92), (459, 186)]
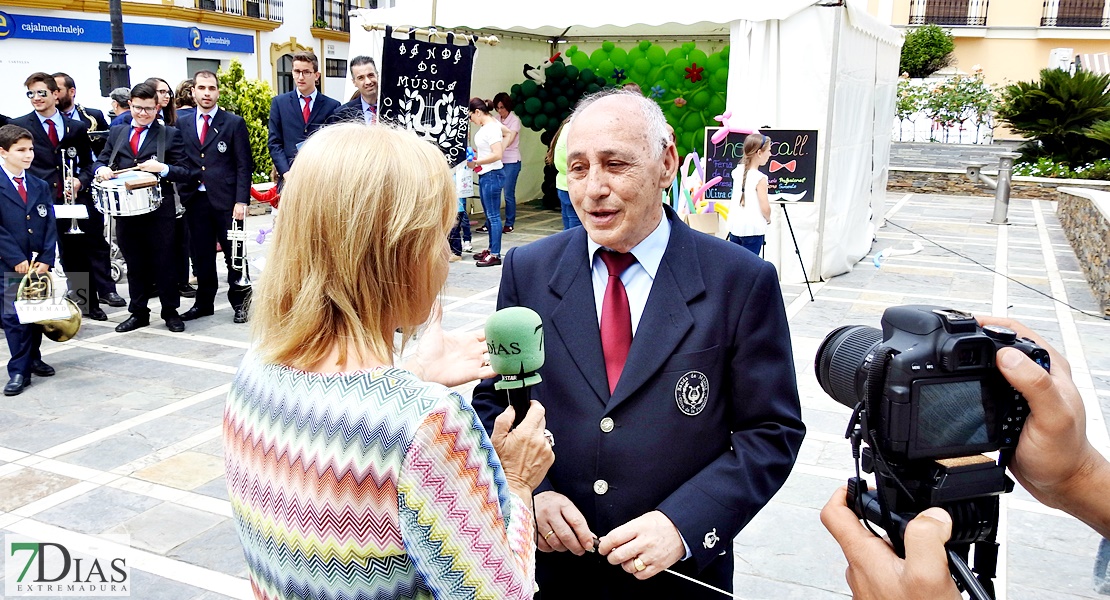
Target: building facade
[(173, 39), (1012, 40)]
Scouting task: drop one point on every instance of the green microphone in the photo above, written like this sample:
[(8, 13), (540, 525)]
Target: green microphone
[(514, 338)]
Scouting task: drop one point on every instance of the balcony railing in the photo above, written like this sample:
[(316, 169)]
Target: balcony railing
[(1075, 13), (269, 10), (949, 12), (336, 14)]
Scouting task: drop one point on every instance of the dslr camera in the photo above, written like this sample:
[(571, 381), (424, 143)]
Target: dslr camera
[(928, 401)]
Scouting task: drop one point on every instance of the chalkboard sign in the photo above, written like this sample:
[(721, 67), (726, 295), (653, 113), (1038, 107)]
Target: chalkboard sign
[(791, 172)]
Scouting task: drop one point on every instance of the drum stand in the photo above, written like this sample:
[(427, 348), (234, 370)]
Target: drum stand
[(115, 256)]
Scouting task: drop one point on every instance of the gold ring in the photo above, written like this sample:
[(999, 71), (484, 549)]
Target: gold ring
[(639, 564), (548, 534)]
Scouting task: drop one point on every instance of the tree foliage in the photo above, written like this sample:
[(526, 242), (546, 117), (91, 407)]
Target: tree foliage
[(1066, 115), (250, 99), (926, 50)]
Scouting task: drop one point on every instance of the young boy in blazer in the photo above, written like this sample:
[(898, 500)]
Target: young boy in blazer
[(26, 228)]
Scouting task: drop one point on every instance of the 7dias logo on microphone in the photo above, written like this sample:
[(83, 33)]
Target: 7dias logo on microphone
[(96, 567)]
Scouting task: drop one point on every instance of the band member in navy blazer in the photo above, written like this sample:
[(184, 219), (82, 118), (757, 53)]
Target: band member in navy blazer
[(364, 106), (217, 141), (54, 136), (669, 385), (146, 240), (26, 228), (288, 125)]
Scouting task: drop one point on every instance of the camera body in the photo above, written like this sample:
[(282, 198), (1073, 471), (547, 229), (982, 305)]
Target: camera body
[(929, 400)]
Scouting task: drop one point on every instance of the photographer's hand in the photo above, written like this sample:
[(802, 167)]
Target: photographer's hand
[(1054, 461), (875, 572)]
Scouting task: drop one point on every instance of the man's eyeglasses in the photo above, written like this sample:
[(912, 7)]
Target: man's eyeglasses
[(302, 72), (39, 93), (144, 109)]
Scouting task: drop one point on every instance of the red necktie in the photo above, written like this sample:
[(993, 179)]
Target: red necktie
[(52, 132), (135, 134), (616, 319), (306, 111), (204, 128), (19, 188)]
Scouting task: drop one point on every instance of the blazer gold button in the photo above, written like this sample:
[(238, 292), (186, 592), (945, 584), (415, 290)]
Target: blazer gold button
[(28, 217), (606, 424), (202, 155), (601, 486), (30, 231)]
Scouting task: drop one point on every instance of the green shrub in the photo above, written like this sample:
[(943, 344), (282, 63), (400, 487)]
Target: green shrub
[(926, 50), (1061, 113), (250, 99), (1046, 167)]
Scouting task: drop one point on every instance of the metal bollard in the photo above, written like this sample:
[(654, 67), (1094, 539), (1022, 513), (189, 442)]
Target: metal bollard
[(1002, 190)]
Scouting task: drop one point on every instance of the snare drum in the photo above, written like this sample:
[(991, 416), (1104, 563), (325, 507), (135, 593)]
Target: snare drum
[(113, 198)]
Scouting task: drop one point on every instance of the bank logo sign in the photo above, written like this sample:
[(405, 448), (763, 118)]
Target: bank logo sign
[(35, 567)]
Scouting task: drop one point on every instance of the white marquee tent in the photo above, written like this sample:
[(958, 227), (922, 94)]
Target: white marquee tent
[(794, 64)]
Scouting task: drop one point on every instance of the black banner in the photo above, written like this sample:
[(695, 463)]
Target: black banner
[(425, 87), (791, 172)]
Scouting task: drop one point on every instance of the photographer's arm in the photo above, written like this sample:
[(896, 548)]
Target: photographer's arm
[(1054, 461)]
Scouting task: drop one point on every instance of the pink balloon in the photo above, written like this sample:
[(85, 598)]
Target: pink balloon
[(727, 128), (708, 184)]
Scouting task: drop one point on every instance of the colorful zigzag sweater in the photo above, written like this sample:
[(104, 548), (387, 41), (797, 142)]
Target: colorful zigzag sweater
[(369, 485)]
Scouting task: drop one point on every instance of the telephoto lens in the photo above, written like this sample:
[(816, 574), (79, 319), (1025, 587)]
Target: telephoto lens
[(842, 362)]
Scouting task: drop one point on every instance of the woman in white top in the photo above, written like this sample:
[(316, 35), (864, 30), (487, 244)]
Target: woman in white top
[(751, 211), (489, 148)]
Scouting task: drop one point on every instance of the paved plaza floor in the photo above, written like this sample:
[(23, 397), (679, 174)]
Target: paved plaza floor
[(126, 438)]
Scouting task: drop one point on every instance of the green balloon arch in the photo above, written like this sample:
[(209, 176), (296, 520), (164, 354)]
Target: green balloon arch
[(688, 84)]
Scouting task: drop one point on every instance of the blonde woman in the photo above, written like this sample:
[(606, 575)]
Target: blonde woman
[(350, 477), (750, 212)]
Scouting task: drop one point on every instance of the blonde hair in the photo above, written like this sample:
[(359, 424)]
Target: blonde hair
[(360, 247), (753, 144)]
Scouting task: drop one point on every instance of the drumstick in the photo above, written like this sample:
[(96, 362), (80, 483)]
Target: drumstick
[(135, 168)]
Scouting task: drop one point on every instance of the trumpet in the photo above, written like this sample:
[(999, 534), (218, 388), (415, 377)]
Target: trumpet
[(237, 236), (68, 195)]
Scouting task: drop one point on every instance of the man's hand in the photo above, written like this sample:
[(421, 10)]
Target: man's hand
[(105, 173), (152, 166), (22, 267), (875, 572), (75, 183), (652, 538), (560, 525), (449, 358), (239, 212), (41, 268)]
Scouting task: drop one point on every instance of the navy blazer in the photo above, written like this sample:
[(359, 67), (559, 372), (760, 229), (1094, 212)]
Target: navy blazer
[(182, 169), (287, 126), (225, 159), (26, 228), (47, 164), (351, 111), (705, 420)]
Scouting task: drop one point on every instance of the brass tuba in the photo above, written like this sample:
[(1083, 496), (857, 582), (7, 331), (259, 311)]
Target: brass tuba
[(41, 287)]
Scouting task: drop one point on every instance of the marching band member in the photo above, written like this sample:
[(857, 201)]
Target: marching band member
[(97, 248), (364, 106), (297, 114), (26, 227), (146, 240), (217, 141), (53, 135)]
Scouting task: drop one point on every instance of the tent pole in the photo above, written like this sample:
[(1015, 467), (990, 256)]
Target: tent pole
[(433, 13), (820, 270)]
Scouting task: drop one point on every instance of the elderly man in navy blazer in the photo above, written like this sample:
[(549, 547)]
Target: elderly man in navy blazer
[(668, 383), (217, 141), (297, 114)]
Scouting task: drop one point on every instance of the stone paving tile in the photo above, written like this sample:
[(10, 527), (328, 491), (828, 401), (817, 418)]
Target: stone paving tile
[(763, 551), (217, 488), (183, 471), (171, 429), (28, 485), (152, 587), (217, 549), (166, 526), (111, 452), (37, 436), (97, 511), (215, 447), (182, 347)]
